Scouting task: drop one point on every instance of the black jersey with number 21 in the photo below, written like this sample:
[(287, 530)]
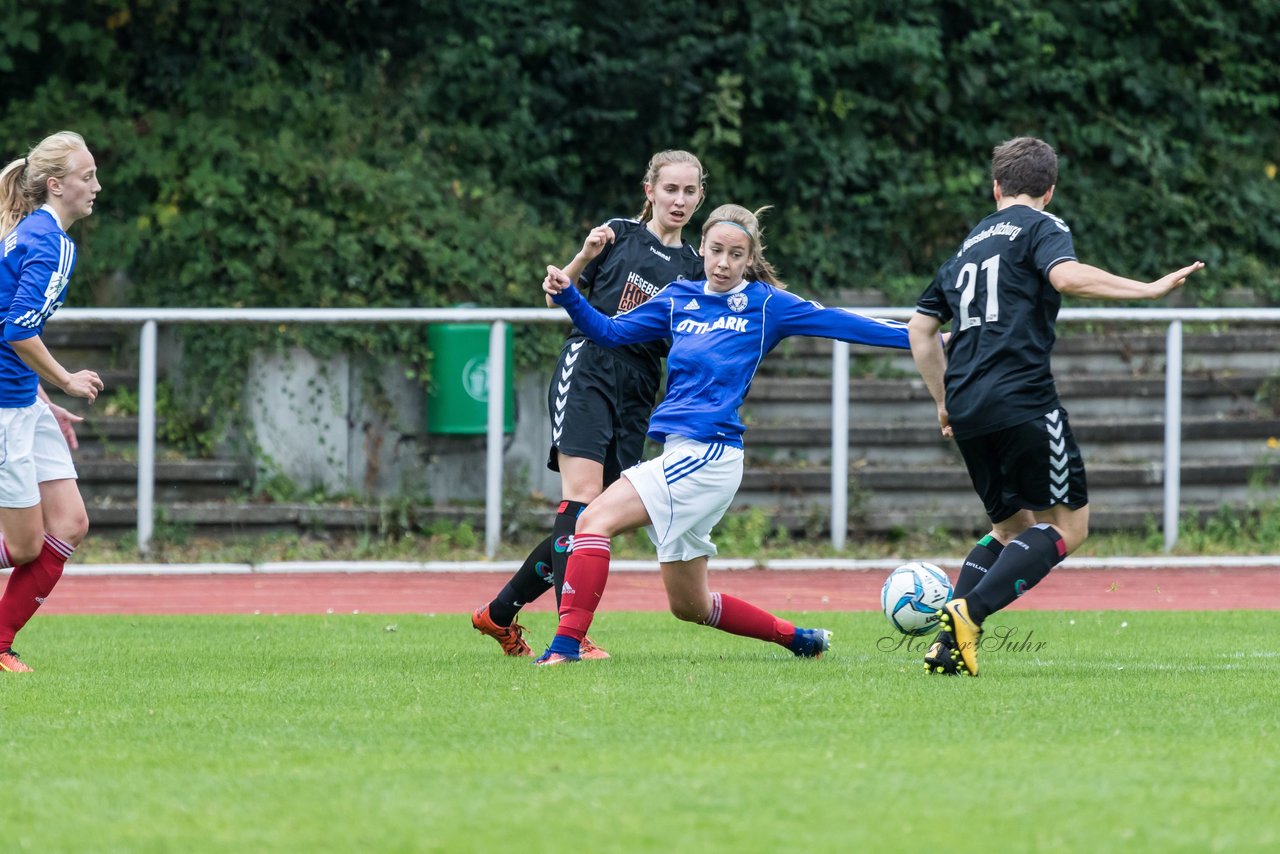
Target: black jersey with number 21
[(995, 291)]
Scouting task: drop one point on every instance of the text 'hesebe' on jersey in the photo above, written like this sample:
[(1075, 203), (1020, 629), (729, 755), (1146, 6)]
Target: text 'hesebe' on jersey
[(995, 291), (631, 270)]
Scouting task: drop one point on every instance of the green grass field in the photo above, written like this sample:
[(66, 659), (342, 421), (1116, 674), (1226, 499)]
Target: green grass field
[(1120, 731)]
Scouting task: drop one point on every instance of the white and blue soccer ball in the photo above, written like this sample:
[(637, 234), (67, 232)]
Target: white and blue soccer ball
[(912, 596)]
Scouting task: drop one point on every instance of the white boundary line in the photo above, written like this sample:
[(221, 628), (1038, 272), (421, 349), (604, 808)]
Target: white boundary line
[(158, 569), (510, 566)]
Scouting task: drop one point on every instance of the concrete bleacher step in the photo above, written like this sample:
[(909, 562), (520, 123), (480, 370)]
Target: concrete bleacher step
[(971, 520), (930, 480), (90, 345), (1113, 439), (175, 480), (106, 460), (108, 350), (1102, 349), (114, 379), (107, 435), (902, 400)]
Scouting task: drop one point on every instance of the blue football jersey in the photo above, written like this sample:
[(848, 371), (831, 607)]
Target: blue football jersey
[(717, 343), (35, 269)]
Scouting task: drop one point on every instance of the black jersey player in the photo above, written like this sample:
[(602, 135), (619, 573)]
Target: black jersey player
[(600, 399), (1001, 292)]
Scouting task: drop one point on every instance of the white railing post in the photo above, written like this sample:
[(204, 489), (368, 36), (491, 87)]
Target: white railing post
[(839, 444), (493, 446), (146, 435), (1172, 434)]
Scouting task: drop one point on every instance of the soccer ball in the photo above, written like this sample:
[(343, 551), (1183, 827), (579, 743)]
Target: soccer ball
[(912, 595)]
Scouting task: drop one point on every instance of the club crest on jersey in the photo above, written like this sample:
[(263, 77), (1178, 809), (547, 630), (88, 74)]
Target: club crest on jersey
[(57, 281), (737, 302)]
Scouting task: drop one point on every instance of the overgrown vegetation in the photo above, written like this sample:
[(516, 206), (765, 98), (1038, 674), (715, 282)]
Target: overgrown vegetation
[(370, 153)]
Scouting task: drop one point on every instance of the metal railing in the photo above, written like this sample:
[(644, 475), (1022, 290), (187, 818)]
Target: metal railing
[(498, 318)]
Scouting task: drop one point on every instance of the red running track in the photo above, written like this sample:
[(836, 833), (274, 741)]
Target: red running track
[(1192, 589)]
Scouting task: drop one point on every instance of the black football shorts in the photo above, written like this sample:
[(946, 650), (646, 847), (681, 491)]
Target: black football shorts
[(600, 405), (1030, 466)]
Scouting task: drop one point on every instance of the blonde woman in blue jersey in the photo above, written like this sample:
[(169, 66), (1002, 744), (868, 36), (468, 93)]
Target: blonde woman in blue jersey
[(599, 399), (42, 516), (720, 328)]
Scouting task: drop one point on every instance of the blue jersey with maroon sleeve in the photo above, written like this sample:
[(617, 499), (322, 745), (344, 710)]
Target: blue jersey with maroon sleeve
[(717, 343), (37, 262)]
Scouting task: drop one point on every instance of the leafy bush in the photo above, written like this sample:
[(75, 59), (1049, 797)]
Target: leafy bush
[(375, 153)]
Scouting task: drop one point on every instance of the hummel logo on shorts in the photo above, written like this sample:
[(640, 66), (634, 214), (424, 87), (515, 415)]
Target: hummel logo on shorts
[(692, 305)]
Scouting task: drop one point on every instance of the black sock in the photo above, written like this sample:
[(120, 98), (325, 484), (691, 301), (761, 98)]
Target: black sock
[(531, 580), (981, 558), (1023, 564), (562, 533)]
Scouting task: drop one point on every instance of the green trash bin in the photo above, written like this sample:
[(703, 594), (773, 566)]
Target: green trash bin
[(458, 395)]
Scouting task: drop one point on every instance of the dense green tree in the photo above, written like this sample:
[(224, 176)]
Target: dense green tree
[(369, 152)]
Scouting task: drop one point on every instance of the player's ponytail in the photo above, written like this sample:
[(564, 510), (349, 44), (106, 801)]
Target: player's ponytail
[(13, 201), (24, 183), (669, 158), (758, 268)]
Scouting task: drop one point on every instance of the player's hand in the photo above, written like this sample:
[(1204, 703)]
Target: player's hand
[(1175, 279), (944, 421), (67, 422), (556, 281), (86, 384), (596, 240)]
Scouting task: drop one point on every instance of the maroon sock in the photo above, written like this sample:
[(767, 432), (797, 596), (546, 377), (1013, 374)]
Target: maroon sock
[(584, 580), (737, 617), (29, 585)]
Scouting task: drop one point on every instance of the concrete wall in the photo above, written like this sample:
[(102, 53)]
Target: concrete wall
[(347, 425)]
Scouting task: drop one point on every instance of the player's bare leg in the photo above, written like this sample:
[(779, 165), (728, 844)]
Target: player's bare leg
[(692, 600)]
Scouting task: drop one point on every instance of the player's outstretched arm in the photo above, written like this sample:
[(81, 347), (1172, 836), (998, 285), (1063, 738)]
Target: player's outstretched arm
[(1083, 280), (798, 316), (931, 361), (86, 384), (645, 322)]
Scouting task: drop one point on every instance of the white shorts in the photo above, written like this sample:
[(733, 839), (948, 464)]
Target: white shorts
[(686, 490), (32, 451)]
